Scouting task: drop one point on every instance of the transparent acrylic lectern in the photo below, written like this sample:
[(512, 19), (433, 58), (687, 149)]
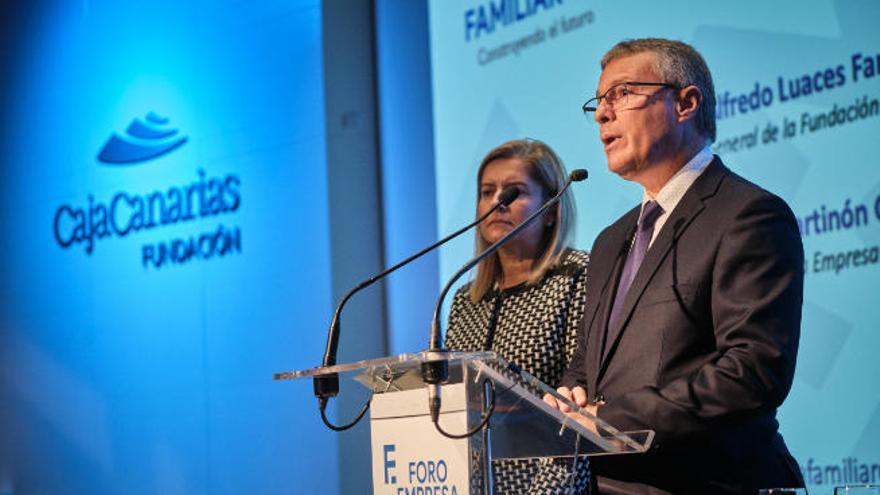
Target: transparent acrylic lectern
[(409, 455)]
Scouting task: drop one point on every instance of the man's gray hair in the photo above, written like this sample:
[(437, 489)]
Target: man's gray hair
[(676, 63)]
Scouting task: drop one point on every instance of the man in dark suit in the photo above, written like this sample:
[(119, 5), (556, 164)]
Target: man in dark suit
[(693, 298)]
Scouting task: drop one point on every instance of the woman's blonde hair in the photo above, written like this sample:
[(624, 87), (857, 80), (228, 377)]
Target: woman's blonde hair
[(546, 169)]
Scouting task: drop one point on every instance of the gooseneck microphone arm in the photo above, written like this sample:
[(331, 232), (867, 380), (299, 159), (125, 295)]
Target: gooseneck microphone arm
[(507, 196), (435, 372), (327, 386)]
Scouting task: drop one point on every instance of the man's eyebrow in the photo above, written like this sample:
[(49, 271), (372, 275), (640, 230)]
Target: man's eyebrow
[(613, 83)]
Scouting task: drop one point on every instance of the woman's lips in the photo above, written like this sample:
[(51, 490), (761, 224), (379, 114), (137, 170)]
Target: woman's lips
[(500, 222)]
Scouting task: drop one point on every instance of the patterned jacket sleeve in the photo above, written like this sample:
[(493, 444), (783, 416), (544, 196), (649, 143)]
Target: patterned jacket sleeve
[(578, 305), (454, 329), (573, 374)]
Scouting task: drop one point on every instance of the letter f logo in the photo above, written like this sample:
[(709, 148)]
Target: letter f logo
[(389, 463)]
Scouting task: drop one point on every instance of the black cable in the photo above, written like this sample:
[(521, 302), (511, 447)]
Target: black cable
[(493, 320), (574, 464), (435, 414), (323, 406)]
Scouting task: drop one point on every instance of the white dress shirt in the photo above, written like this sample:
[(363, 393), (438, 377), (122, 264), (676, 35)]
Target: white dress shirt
[(674, 189)]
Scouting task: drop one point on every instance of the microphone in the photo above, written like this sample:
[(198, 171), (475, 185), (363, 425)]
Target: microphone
[(436, 372), (327, 386), (578, 175)]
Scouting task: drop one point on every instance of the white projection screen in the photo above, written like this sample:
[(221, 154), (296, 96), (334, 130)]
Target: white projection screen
[(798, 89)]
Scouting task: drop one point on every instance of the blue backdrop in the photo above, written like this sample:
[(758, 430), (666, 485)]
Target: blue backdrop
[(164, 211), (147, 302)]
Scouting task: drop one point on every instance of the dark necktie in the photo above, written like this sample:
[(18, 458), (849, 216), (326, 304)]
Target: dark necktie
[(644, 232)]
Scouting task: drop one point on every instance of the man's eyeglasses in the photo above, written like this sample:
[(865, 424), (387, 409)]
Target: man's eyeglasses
[(616, 97)]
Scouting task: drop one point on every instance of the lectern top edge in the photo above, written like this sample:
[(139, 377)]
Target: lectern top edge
[(385, 361)]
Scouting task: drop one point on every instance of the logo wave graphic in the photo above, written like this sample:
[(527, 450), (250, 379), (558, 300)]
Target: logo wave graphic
[(143, 140)]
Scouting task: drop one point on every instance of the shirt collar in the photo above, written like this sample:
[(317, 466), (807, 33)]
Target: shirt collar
[(676, 187)]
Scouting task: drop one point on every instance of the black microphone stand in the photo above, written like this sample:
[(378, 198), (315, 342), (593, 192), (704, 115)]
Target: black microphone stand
[(327, 386)]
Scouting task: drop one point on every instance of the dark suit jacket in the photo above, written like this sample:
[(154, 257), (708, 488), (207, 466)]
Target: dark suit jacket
[(707, 347)]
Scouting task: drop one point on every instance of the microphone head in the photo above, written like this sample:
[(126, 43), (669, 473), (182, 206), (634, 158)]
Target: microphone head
[(578, 174), (508, 195)]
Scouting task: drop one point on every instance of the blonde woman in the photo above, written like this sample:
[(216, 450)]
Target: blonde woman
[(527, 299)]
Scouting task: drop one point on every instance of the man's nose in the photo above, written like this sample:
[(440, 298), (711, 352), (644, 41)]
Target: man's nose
[(603, 112)]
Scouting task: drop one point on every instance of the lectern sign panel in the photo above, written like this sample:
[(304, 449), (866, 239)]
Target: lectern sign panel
[(409, 456)]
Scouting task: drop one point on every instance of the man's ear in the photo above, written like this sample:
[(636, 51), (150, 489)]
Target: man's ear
[(689, 100)]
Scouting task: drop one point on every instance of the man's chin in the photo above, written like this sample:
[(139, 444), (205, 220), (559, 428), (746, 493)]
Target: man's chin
[(622, 170)]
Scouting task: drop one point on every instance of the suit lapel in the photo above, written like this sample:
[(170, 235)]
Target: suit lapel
[(607, 273), (690, 206)]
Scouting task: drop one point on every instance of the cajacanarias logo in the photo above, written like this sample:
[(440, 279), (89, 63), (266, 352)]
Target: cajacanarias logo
[(144, 139), (124, 213)]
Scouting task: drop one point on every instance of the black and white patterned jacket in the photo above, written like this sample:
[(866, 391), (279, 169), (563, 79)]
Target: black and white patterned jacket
[(533, 326)]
